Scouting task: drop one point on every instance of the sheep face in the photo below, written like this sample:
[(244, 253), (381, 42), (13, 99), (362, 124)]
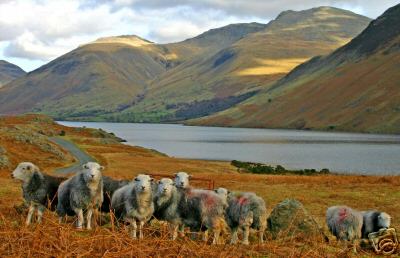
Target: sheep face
[(143, 183), (182, 180), (92, 171), (384, 220), (24, 171), (222, 192), (165, 186)]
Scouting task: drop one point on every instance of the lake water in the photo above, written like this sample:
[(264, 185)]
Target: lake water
[(339, 152)]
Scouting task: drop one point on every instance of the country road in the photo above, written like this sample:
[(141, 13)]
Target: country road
[(79, 154)]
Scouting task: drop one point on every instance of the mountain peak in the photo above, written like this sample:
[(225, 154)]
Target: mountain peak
[(131, 40)]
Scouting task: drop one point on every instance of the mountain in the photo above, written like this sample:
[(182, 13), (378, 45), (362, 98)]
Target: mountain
[(9, 72), (127, 78), (107, 75), (207, 84), (355, 88)]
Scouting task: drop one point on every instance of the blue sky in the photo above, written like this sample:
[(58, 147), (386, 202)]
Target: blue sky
[(33, 32)]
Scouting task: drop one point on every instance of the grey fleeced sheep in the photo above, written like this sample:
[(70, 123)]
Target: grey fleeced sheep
[(202, 210), (345, 223), (39, 190), (81, 193), (167, 200), (373, 221), (244, 210), (110, 185), (134, 203)]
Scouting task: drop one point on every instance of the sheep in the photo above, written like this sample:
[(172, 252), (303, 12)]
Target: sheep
[(81, 193), (244, 210), (110, 185), (167, 199), (182, 179), (39, 190), (373, 221), (202, 210), (134, 202), (345, 223)]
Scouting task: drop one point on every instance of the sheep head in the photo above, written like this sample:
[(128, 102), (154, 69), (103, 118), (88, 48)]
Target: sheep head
[(92, 171), (165, 186), (143, 183), (24, 171), (182, 180)]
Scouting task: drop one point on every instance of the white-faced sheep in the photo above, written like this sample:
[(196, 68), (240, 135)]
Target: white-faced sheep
[(81, 193), (373, 221), (244, 210), (202, 210), (344, 223), (134, 203), (167, 200), (39, 190), (182, 179), (110, 185)]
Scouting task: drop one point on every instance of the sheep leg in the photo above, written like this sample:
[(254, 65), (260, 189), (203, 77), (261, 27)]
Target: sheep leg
[(79, 213), (246, 232), (89, 218), (217, 233), (261, 236), (182, 230), (174, 229), (234, 233), (40, 211), (205, 236), (141, 223), (133, 227), (30, 213)]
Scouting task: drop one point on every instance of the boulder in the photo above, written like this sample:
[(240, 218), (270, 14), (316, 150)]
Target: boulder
[(289, 218)]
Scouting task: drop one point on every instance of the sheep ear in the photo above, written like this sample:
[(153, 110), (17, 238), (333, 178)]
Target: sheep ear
[(28, 167), (175, 174), (229, 192), (216, 190), (190, 176), (101, 167), (151, 179)]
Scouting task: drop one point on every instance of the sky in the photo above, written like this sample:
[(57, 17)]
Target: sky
[(34, 32)]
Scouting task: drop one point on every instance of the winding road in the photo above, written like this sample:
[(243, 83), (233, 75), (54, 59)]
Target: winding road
[(78, 153)]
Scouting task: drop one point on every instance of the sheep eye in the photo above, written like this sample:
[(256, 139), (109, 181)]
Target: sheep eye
[(136, 179)]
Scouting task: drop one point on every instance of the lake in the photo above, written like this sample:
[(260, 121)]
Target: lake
[(339, 152)]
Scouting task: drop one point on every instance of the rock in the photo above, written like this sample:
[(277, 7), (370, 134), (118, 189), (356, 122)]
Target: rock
[(289, 218), (4, 161)]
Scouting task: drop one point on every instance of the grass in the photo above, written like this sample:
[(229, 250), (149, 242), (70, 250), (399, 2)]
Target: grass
[(316, 192)]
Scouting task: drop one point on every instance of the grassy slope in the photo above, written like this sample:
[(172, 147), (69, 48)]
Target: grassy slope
[(122, 161), (253, 62), (9, 72), (354, 89)]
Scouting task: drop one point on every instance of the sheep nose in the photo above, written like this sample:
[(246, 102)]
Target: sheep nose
[(92, 176), (143, 187)]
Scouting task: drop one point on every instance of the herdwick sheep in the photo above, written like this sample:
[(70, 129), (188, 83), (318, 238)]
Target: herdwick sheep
[(167, 200), (134, 203), (81, 193), (373, 221), (182, 179), (110, 185), (202, 210), (345, 223), (244, 210), (39, 190)]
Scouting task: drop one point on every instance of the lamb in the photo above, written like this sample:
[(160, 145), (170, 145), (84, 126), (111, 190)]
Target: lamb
[(134, 203), (110, 185), (202, 210), (167, 200), (81, 193), (182, 179), (373, 221), (244, 210), (39, 190)]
